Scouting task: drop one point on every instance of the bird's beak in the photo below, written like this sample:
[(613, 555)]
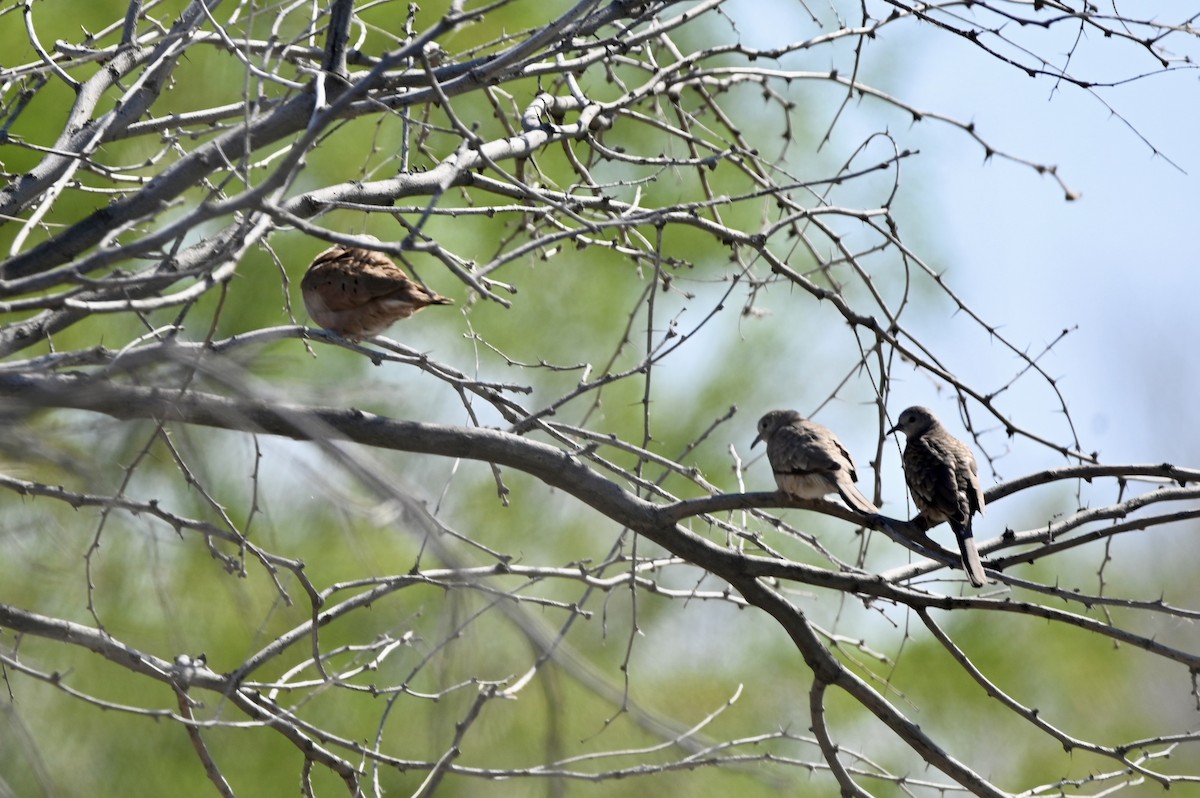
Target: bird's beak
[(894, 430), (757, 440)]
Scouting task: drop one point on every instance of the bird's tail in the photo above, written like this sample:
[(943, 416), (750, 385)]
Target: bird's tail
[(854, 498), (970, 557)]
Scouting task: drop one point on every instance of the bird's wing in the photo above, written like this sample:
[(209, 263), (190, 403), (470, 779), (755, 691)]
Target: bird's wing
[(802, 448), (968, 495), (972, 487), (843, 456), (930, 472), (349, 277)]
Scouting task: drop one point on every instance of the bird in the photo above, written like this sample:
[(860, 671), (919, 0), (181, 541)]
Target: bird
[(808, 459), (943, 479), (358, 293)]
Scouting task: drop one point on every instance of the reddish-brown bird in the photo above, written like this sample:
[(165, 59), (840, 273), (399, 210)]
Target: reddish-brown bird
[(358, 293)]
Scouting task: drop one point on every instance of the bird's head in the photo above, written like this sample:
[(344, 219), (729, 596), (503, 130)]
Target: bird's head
[(773, 421), (914, 421)]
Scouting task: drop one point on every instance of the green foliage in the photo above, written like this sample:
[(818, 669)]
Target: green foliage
[(621, 671)]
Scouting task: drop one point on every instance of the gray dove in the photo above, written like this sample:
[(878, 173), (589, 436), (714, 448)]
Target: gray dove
[(944, 481), (808, 460)]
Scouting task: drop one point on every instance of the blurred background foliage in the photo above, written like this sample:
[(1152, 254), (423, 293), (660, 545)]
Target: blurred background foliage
[(575, 307)]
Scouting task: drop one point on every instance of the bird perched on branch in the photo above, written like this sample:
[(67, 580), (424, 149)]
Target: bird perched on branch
[(358, 293), (944, 481), (808, 460)]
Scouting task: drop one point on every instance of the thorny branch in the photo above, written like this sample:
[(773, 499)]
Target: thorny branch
[(601, 188)]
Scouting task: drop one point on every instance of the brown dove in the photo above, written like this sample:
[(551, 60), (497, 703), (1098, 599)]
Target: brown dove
[(358, 293), (808, 460), (944, 481)]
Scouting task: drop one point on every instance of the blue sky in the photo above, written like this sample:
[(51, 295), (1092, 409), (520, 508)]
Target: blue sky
[(1118, 265), (1120, 262)]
